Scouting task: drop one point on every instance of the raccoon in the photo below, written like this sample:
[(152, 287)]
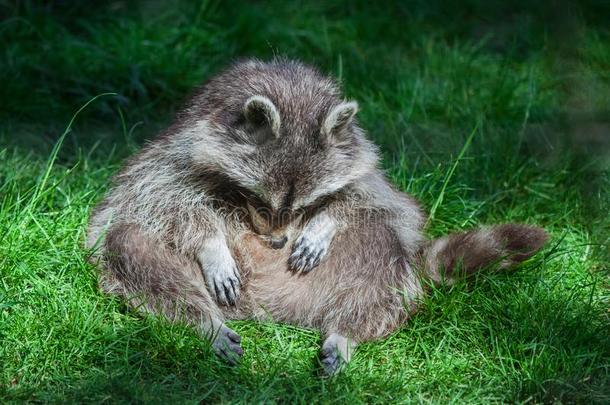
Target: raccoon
[(264, 177)]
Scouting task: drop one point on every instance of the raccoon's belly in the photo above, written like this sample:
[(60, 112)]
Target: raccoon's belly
[(272, 291)]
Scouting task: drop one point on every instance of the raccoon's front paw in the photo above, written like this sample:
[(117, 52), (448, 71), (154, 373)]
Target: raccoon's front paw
[(312, 246), (307, 253), (220, 271), (224, 283)]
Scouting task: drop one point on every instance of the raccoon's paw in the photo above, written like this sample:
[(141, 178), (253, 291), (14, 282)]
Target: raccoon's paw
[(224, 283), (227, 345), (221, 272), (336, 353), (312, 246), (307, 254)]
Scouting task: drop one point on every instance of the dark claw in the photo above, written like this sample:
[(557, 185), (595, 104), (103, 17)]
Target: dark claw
[(230, 295), (233, 349), (234, 336), (237, 275), (305, 267), (294, 262), (318, 258), (219, 296), (235, 286), (232, 354)]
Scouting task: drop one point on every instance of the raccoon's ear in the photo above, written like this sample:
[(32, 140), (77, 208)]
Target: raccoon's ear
[(259, 111), (339, 118)]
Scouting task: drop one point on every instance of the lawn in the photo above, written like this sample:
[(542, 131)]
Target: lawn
[(531, 80)]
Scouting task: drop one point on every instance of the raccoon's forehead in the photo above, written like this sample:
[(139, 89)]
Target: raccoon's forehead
[(300, 93), (299, 114)]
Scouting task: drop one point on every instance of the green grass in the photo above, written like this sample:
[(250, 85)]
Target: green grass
[(533, 79)]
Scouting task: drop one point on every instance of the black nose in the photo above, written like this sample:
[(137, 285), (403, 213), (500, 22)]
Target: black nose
[(278, 243)]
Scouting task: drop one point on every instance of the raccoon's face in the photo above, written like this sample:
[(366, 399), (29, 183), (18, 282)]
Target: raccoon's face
[(288, 163)]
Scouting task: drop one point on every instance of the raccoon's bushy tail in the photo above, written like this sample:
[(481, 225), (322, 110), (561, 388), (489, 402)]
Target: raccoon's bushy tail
[(462, 254)]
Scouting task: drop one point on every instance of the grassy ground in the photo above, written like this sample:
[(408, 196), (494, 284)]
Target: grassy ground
[(536, 80)]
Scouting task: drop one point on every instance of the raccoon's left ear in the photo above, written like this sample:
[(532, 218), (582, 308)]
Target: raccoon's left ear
[(339, 118), (259, 110)]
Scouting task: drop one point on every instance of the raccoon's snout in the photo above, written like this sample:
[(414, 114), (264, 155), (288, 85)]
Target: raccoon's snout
[(278, 243)]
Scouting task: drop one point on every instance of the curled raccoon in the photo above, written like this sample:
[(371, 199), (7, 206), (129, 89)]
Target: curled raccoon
[(264, 200)]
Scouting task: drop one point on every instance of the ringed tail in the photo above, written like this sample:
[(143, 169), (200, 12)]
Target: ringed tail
[(462, 254)]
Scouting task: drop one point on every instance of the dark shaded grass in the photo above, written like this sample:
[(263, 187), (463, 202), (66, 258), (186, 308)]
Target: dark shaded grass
[(532, 78)]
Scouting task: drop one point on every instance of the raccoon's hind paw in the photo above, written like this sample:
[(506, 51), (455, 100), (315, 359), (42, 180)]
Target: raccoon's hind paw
[(313, 244), (332, 363), (336, 353), (227, 345)]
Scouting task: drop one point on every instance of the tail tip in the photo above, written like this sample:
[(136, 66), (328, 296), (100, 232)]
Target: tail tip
[(522, 240)]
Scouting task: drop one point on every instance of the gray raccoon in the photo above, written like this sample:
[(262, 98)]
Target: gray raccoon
[(264, 176)]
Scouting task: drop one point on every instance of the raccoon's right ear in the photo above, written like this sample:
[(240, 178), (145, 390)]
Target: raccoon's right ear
[(339, 119), (259, 111)]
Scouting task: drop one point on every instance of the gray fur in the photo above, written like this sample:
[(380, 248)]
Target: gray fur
[(266, 176)]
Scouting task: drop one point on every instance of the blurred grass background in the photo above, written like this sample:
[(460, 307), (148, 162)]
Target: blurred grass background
[(535, 76)]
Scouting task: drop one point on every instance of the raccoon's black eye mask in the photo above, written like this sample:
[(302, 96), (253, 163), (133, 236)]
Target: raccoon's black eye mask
[(230, 191)]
